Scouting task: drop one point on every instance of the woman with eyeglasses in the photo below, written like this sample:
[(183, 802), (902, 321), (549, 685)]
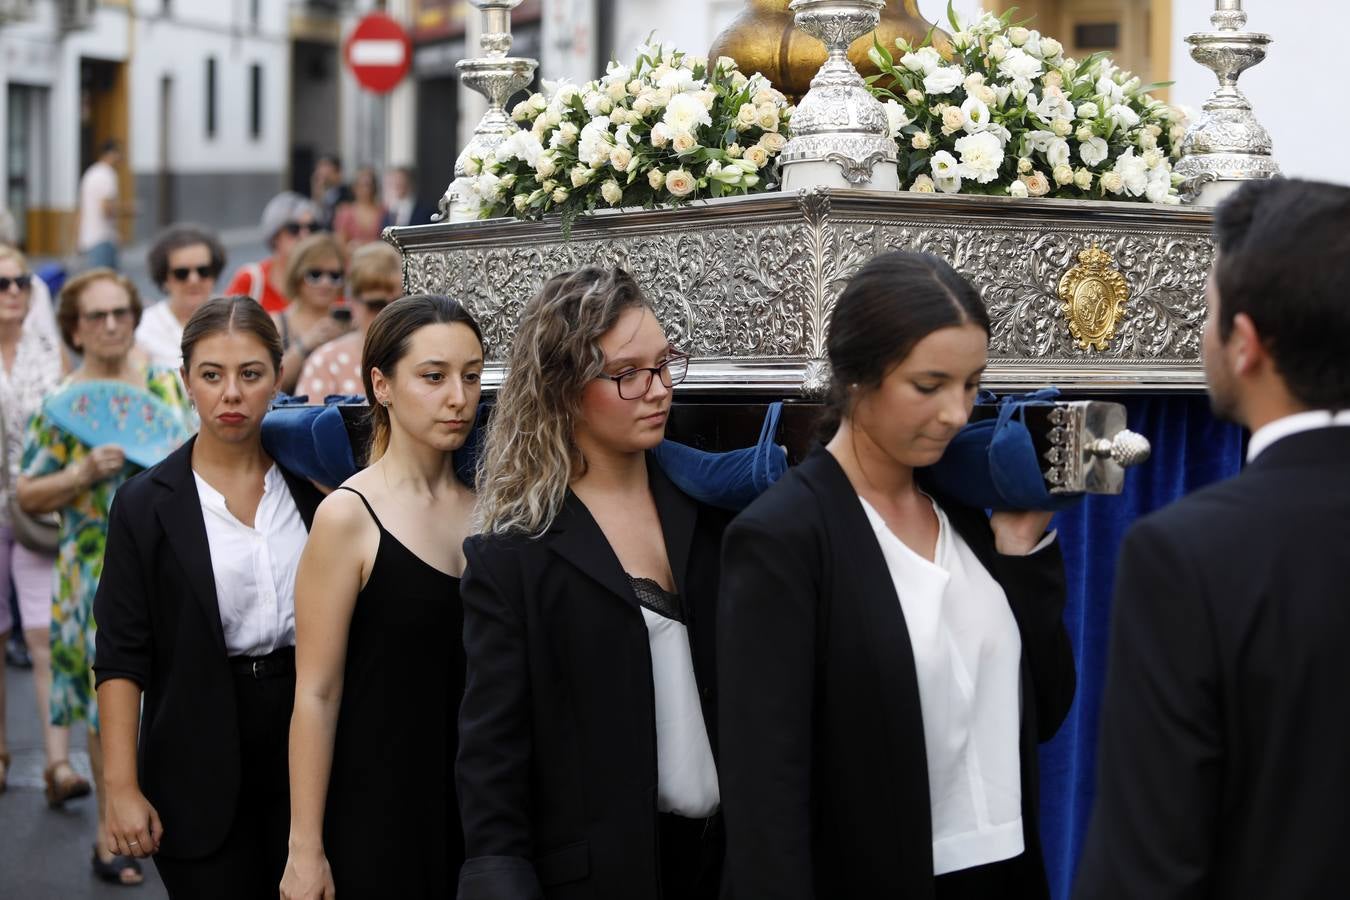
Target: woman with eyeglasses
[(185, 261), (32, 368), (97, 312), (586, 764), (315, 316), (287, 219), (375, 278)]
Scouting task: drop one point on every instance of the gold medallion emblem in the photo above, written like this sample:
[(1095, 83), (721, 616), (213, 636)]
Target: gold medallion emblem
[(1094, 294)]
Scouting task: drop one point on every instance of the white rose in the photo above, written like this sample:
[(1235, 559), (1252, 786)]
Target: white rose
[(1063, 175), (1177, 134), (611, 191), (683, 142), (921, 141), (914, 95), (660, 135), (680, 183), (1088, 111), (1018, 35), (1112, 182), (943, 80), (757, 155), (1051, 48), (621, 158), (923, 185), (1082, 179), (773, 142), (768, 118), (1147, 141), (1059, 153), (1024, 166), (635, 87), (952, 118), (520, 201), (559, 194), (1093, 151), (580, 175), (973, 81), (597, 104), (981, 156), (657, 179), (1062, 127), (1017, 189), (538, 102), (1053, 79), (565, 136), (616, 91), (896, 117), (726, 63), (1084, 134), (642, 106), (546, 165), (988, 96), (735, 151), (975, 112), (1037, 184), (747, 115), (1153, 159), (521, 111)]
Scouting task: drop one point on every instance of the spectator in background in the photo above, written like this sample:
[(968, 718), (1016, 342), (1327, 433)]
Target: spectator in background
[(326, 187), (375, 279), (96, 222), (286, 220), (400, 200), (359, 220), (185, 261), (315, 316)]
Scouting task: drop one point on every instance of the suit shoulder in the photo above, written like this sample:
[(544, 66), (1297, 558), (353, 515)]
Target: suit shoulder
[(789, 508), (139, 488), (1219, 507)]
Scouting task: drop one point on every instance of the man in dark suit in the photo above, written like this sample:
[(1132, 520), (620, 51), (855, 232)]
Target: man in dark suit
[(400, 200), (1223, 767)]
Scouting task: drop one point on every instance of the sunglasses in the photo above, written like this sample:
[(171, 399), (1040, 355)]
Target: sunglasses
[(295, 229), (205, 273), (119, 315), (318, 276), (376, 304), (20, 282)]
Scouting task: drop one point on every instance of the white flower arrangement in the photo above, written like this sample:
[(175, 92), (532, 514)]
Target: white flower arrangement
[(1009, 114), (669, 129)]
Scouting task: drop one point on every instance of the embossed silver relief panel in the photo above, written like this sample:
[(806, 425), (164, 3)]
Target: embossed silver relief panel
[(747, 285)]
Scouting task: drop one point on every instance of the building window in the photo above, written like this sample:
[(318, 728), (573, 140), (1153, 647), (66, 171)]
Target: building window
[(211, 97), (1097, 35), (254, 13), (255, 100)]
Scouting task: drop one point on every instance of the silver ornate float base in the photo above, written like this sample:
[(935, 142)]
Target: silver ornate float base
[(747, 284)]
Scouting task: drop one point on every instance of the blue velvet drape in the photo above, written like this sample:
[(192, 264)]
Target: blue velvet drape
[(1190, 449)]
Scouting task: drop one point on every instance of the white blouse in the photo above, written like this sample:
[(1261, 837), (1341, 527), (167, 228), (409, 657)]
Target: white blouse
[(254, 568), (160, 335), (686, 775), (967, 656)]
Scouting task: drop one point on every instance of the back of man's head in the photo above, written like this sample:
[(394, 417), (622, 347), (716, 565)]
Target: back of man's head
[(1284, 260)]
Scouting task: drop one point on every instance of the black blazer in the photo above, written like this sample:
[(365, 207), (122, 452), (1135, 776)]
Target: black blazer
[(1222, 767), (159, 626), (824, 772), (557, 749)]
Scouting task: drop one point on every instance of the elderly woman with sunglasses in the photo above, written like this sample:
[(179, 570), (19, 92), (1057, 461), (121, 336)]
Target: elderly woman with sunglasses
[(287, 219), (375, 279), (185, 261), (97, 312), (316, 315)]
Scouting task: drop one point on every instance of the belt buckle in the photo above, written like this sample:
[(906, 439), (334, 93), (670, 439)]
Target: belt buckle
[(259, 668)]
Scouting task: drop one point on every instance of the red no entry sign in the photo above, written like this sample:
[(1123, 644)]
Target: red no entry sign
[(378, 52)]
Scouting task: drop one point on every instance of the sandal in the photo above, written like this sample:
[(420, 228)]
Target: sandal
[(59, 790), (4, 771), (114, 869)]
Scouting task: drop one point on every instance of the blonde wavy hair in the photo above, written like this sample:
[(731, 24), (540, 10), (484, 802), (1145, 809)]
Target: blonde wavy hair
[(529, 457)]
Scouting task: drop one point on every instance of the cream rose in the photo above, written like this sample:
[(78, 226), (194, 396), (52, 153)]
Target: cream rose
[(923, 185), (611, 191), (559, 194), (921, 141), (757, 155), (1037, 184), (680, 183), (747, 115), (768, 118), (657, 179), (1063, 175), (683, 142), (773, 142), (1112, 182), (1082, 179), (1017, 189), (953, 118), (621, 158)]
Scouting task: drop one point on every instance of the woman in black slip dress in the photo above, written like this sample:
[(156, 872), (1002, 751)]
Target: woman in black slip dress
[(379, 661)]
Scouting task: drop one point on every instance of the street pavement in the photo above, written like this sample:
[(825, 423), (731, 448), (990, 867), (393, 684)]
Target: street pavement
[(45, 853)]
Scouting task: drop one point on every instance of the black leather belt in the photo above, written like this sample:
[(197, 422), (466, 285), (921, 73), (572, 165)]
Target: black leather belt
[(274, 665)]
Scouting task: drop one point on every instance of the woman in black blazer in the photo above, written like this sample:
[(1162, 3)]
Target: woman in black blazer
[(196, 610), (888, 659), (585, 760)]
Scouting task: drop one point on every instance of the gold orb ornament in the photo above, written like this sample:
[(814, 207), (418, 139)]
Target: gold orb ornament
[(763, 39)]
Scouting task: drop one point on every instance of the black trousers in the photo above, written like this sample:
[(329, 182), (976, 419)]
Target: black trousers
[(692, 852), (251, 861), (1008, 879)]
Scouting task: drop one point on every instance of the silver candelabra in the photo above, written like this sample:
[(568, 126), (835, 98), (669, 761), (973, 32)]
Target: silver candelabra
[(840, 134), (496, 76), (1226, 145)]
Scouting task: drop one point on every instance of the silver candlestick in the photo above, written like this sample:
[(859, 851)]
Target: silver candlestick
[(840, 133), (496, 76), (1227, 145)]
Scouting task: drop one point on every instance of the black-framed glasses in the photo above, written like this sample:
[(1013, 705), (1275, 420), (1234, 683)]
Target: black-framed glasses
[(376, 304), (318, 276), (295, 229), (634, 384), (22, 282), (182, 273), (119, 315)]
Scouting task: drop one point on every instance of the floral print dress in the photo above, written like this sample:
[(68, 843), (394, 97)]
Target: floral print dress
[(79, 558)]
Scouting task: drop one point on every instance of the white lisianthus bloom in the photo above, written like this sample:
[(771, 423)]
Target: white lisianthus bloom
[(1112, 183), (621, 158), (944, 165), (988, 23), (559, 194), (948, 185), (683, 142), (1000, 132), (1039, 141), (1082, 179), (1033, 44), (747, 115), (680, 81), (1093, 151), (617, 71), (1088, 111), (1062, 127), (998, 50), (1059, 153), (943, 80), (580, 175), (1001, 93), (595, 142), (758, 156), (686, 113), (597, 104), (1037, 184), (1111, 93), (981, 156), (1024, 166), (922, 61), (623, 135), (1158, 189), (896, 117), (521, 145), (772, 142), (923, 185), (1123, 116), (975, 112), (680, 183), (1018, 189), (921, 141), (1062, 175), (660, 135), (611, 191), (656, 178), (1051, 48), (1133, 173)]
